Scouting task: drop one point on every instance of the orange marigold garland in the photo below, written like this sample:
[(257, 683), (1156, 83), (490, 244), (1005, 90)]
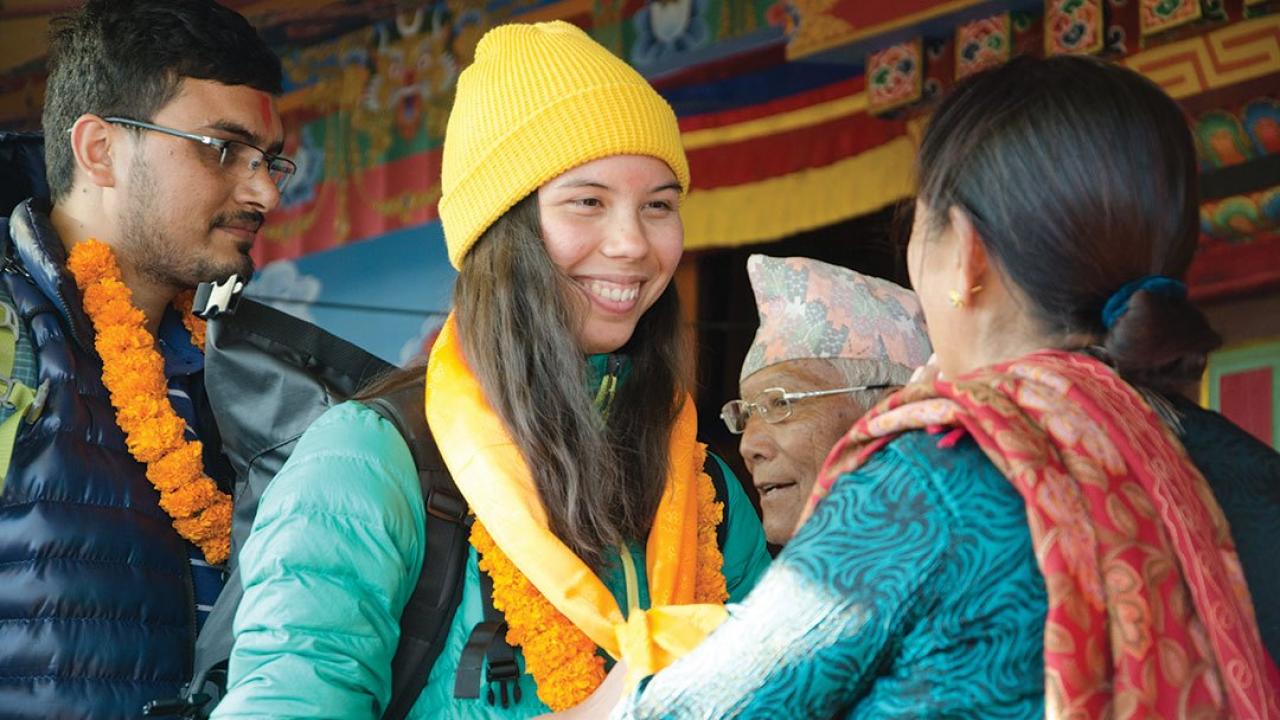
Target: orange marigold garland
[(193, 324), (561, 658), (133, 372), (709, 586)]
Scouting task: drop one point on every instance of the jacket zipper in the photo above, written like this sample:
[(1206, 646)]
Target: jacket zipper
[(61, 302), (191, 616)]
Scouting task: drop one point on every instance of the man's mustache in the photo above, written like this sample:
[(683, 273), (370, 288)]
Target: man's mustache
[(243, 220)]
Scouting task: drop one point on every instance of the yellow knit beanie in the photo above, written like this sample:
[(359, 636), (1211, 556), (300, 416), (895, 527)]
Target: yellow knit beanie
[(540, 100)]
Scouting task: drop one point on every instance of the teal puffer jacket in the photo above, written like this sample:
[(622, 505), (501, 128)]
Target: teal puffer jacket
[(335, 552)]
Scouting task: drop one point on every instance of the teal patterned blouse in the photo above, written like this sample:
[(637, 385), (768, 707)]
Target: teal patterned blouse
[(913, 592)]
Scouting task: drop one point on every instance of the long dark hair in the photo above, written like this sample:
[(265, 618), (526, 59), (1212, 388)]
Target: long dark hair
[(1080, 176), (599, 476)]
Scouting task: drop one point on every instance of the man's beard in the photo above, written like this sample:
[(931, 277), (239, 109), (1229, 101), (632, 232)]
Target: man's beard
[(155, 254)]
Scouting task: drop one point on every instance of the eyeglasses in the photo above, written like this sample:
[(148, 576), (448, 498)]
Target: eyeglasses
[(773, 405), (240, 158)]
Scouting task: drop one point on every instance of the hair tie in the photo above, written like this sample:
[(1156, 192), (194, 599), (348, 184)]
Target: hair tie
[(1118, 304)]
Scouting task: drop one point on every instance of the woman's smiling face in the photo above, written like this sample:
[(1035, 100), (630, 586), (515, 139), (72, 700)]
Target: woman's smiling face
[(613, 227)]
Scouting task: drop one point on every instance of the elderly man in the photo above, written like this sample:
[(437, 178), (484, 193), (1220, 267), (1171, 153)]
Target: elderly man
[(831, 344)]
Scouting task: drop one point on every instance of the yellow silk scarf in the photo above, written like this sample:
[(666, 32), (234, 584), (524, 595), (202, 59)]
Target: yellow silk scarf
[(495, 481)]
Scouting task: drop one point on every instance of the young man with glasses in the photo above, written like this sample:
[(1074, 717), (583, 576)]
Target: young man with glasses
[(162, 142), (831, 343)]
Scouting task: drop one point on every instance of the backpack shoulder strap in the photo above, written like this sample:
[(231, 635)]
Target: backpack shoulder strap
[(711, 466), (429, 612), (488, 643), (19, 403)]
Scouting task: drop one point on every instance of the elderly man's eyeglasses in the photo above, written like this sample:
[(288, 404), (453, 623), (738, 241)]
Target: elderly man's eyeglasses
[(773, 405), (237, 157)]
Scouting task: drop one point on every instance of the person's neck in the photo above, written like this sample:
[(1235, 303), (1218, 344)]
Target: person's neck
[(995, 345), (75, 224), (1005, 330)]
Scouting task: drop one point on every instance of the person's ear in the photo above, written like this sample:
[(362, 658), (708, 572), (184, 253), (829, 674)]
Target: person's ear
[(971, 258), (93, 142)]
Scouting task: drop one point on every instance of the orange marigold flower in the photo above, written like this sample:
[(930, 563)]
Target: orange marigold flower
[(205, 525), (194, 325), (134, 385), (139, 362), (176, 468), (189, 499), (183, 300), (219, 514), (92, 260), (154, 438), (217, 550), (117, 339), (138, 413), (111, 303), (130, 363), (209, 531), (94, 298)]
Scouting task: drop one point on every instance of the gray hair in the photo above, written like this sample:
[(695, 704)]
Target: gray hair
[(860, 371)]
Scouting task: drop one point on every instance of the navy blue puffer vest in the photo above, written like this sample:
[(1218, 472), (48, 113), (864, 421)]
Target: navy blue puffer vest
[(96, 615)]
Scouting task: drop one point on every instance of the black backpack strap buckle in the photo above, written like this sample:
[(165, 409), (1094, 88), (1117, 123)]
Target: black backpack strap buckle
[(506, 675), (215, 299), (487, 644), (466, 683), (447, 507), (182, 707)]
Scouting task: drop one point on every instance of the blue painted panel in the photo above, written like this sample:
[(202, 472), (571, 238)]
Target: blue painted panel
[(386, 294)]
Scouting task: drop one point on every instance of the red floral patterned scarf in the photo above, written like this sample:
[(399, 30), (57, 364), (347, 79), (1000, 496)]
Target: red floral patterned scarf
[(1148, 615)]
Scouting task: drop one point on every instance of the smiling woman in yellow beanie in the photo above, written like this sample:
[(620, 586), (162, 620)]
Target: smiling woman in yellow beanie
[(540, 100), (557, 396)]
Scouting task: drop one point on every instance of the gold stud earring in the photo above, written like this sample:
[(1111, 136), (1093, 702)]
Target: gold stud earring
[(957, 300)]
